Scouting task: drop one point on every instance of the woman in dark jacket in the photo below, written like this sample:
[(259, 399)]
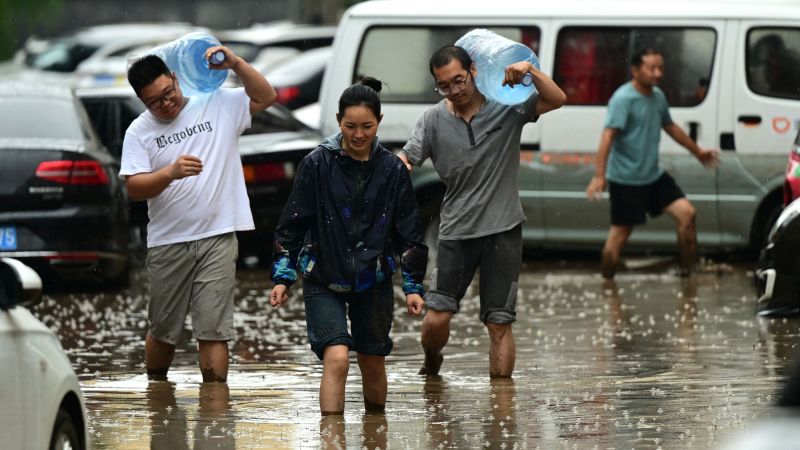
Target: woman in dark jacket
[(351, 212)]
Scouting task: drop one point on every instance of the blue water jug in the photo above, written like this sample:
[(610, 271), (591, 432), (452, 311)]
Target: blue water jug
[(491, 54), (186, 56)]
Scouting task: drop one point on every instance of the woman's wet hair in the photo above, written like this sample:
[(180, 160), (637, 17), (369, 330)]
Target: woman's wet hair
[(366, 92)]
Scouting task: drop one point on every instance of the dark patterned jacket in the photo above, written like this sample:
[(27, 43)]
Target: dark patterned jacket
[(347, 221)]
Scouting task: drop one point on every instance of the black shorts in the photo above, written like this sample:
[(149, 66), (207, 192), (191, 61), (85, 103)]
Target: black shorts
[(498, 256), (630, 203)]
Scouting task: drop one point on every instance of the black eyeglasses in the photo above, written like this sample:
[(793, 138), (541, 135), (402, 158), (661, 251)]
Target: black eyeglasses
[(158, 103), (456, 86)]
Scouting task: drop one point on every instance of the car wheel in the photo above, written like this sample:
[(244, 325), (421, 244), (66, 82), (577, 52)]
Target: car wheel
[(65, 434), (771, 213)]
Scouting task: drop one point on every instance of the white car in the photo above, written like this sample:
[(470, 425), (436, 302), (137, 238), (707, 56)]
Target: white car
[(42, 403), (96, 56), (266, 46)]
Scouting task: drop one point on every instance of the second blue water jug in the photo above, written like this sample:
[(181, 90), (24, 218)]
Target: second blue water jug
[(186, 57), (491, 54)]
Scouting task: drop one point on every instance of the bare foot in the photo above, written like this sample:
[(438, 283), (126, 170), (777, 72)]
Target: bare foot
[(432, 365)]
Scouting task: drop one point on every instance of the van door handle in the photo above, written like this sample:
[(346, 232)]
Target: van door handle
[(694, 127), (750, 120)]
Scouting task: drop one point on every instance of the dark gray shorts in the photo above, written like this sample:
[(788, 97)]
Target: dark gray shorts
[(370, 313), (197, 277), (498, 256)]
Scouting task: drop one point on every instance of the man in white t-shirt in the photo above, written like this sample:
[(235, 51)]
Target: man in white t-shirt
[(182, 156)]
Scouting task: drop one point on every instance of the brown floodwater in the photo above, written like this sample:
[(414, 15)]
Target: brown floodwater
[(650, 361)]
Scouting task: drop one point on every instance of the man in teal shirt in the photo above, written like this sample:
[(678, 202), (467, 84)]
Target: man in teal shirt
[(637, 186)]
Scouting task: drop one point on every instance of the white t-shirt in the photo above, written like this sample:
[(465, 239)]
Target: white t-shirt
[(211, 203)]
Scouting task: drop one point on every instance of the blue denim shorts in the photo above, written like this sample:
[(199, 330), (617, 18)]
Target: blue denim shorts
[(370, 314)]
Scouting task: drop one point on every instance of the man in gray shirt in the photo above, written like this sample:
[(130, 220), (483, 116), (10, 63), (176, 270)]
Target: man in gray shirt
[(474, 144)]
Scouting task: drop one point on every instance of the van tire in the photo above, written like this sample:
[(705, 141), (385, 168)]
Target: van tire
[(65, 434)]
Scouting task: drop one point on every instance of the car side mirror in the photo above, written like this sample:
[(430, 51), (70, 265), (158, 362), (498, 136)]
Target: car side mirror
[(19, 284)]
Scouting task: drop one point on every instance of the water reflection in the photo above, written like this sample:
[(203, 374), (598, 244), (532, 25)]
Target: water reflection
[(500, 431), (214, 425), (374, 432), (442, 429), (332, 432), (618, 318), (779, 343), (167, 420), (375, 429), (651, 360)]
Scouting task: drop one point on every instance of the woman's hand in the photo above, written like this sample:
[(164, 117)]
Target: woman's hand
[(414, 302), (279, 295)]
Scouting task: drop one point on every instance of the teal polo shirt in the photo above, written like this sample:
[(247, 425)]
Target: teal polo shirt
[(639, 119)]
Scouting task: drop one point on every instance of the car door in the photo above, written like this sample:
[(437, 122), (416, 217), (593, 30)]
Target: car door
[(13, 410), (591, 62), (768, 95)]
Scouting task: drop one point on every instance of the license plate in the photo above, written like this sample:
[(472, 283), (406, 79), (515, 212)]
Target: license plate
[(8, 238)]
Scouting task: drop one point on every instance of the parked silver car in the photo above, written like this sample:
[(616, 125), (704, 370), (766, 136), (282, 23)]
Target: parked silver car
[(96, 56)]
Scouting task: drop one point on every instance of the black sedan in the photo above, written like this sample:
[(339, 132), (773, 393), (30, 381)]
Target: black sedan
[(298, 80), (63, 209), (271, 150), (110, 111), (778, 269)]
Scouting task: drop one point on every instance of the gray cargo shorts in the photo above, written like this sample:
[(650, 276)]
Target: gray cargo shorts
[(498, 256), (198, 277)]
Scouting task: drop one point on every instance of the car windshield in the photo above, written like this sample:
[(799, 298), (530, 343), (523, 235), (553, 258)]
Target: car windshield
[(61, 56), (39, 118), (274, 120), (300, 68)]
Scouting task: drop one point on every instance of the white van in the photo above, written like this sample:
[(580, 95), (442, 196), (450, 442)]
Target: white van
[(732, 80)]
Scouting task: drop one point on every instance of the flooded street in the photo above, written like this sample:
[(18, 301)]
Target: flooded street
[(650, 361)]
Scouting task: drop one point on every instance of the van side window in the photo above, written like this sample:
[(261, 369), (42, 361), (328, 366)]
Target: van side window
[(592, 62), (399, 57), (773, 62)]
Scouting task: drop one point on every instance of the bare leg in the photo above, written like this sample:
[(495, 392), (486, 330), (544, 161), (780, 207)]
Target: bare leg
[(617, 237), (373, 381), (684, 214), (435, 334), (213, 361), (335, 364), (158, 356), (502, 350)]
